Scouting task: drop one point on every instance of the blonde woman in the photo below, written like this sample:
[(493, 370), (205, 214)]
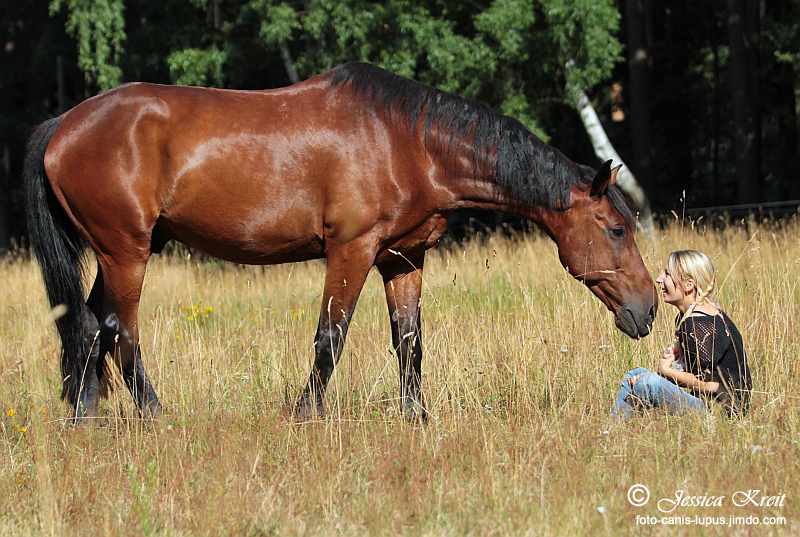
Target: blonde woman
[(707, 358)]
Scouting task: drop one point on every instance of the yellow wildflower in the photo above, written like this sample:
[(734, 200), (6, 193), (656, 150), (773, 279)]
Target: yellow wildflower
[(12, 412)]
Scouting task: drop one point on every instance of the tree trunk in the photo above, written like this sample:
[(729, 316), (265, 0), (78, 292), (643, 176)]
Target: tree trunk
[(639, 15), (744, 20), (288, 63), (605, 151)]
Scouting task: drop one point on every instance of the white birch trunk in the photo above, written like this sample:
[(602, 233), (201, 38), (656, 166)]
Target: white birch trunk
[(294, 78), (605, 151)]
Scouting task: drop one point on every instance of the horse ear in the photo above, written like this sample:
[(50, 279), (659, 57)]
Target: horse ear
[(605, 176)]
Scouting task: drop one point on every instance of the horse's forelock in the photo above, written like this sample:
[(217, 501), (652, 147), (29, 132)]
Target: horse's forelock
[(619, 203)]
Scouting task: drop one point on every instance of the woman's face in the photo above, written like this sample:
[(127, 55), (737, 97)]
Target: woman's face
[(671, 291)]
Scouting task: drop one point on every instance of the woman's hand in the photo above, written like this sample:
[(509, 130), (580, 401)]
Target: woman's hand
[(682, 378), (670, 354), (633, 379)]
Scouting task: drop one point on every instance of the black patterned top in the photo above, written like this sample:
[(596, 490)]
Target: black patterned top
[(714, 351)]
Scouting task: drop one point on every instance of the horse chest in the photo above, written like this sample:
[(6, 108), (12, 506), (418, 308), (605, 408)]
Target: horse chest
[(423, 236)]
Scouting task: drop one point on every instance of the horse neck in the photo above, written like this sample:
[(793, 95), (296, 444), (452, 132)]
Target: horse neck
[(473, 179), (483, 193)]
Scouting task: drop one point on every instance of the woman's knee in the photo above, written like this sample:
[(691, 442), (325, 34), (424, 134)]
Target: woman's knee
[(636, 371), (649, 383)]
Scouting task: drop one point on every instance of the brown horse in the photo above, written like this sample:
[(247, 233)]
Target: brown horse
[(356, 165)]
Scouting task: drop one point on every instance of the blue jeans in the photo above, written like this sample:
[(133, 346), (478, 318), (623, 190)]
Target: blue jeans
[(652, 390)]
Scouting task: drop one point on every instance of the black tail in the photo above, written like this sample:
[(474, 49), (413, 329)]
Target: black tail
[(60, 249)]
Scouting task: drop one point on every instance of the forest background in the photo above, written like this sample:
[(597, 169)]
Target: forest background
[(700, 99)]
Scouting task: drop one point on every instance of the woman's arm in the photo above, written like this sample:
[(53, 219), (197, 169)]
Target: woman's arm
[(684, 378)]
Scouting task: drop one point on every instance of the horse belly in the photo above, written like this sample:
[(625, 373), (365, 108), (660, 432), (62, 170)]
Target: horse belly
[(244, 234)]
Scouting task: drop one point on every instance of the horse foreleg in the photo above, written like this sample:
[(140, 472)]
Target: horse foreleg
[(402, 278), (347, 270)]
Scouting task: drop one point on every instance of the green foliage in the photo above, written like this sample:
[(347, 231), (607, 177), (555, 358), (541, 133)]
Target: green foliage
[(783, 36), (401, 37), (280, 21), (197, 67), (584, 32), (506, 54), (99, 27), (510, 23)]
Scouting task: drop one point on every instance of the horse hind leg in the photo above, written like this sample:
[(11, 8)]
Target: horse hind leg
[(402, 279), (102, 341), (86, 402), (80, 334), (119, 331)]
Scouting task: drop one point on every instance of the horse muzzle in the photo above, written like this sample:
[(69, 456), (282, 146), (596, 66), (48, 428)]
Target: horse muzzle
[(636, 322)]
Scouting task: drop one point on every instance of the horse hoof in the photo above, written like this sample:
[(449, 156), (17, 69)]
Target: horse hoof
[(81, 420), (415, 413), (306, 410), (152, 411), (83, 415)]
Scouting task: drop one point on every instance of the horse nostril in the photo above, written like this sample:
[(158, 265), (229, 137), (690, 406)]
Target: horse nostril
[(651, 315)]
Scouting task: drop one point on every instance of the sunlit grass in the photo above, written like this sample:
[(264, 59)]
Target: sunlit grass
[(521, 366)]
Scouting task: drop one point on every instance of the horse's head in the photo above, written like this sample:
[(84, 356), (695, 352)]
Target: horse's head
[(596, 245)]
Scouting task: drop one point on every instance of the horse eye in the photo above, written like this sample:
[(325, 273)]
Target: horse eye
[(618, 232)]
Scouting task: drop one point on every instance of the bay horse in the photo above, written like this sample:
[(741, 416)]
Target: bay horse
[(356, 165)]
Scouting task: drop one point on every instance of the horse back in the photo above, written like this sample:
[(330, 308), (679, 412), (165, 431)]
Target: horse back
[(249, 176)]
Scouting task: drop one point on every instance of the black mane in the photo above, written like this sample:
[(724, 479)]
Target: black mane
[(501, 147)]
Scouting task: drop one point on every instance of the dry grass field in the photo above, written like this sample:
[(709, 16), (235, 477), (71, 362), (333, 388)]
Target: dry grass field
[(521, 367)]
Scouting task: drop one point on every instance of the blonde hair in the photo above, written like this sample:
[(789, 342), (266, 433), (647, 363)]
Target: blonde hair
[(691, 264)]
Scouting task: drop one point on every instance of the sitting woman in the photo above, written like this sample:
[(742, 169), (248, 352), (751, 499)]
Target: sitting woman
[(708, 357)]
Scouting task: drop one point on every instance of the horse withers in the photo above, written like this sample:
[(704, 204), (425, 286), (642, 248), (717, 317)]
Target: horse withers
[(356, 165)]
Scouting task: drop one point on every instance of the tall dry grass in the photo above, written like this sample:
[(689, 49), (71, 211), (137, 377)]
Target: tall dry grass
[(521, 367)]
